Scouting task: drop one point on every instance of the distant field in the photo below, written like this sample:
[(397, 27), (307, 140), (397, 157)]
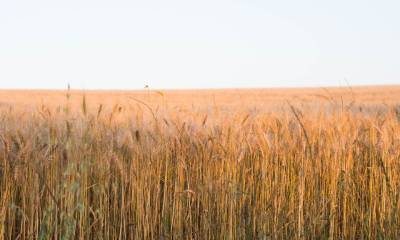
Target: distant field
[(231, 98), (319, 163)]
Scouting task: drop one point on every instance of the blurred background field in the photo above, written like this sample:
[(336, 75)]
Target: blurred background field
[(372, 97)]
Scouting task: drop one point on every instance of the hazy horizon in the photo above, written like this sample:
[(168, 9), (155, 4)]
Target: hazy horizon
[(204, 88)]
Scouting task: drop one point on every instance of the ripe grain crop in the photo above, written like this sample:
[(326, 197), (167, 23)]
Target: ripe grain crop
[(206, 165)]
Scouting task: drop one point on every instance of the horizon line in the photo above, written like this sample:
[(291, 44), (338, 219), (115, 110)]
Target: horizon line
[(203, 88)]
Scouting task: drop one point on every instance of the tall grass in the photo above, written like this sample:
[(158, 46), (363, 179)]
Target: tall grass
[(131, 174)]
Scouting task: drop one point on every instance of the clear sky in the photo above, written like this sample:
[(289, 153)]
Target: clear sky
[(99, 44)]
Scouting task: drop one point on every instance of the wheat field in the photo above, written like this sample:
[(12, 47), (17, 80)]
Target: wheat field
[(209, 164)]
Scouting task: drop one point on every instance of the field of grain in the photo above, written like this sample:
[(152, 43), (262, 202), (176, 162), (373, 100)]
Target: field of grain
[(211, 164)]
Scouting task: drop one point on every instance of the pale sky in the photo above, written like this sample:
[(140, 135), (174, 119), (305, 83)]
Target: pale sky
[(102, 44)]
